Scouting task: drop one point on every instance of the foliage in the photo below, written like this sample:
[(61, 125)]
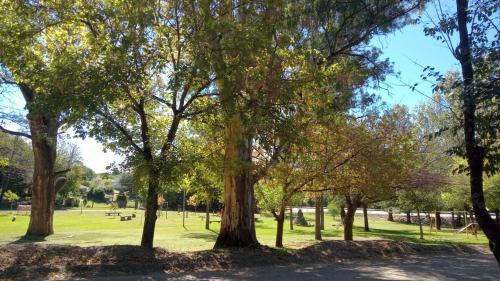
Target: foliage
[(96, 195), (484, 42), (10, 196), (73, 182)]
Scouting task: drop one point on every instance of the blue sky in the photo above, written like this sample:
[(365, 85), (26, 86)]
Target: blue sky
[(409, 49)]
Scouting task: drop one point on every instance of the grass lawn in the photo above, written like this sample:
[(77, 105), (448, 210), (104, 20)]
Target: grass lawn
[(94, 228)]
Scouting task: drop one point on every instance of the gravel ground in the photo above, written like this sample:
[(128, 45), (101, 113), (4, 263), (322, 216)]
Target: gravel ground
[(55, 262)]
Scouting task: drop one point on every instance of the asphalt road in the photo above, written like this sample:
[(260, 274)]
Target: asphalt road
[(443, 268)]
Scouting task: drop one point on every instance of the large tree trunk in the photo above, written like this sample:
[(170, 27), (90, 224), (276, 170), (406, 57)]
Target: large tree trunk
[(349, 219), (438, 221), (420, 224), (497, 216), (148, 230), (237, 224), (44, 142), (475, 153), (365, 216), (408, 217), (317, 223)]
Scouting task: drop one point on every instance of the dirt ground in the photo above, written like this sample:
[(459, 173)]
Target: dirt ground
[(53, 262)]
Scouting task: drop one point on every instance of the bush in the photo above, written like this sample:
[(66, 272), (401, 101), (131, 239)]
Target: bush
[(96, 195)]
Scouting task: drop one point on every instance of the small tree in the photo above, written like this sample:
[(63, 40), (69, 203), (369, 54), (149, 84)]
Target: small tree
[(416, 199)]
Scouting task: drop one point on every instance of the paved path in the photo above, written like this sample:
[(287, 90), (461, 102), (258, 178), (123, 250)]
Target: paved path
[(437, 268)]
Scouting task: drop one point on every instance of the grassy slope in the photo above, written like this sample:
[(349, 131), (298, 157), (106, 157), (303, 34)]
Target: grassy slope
[(94, 228)]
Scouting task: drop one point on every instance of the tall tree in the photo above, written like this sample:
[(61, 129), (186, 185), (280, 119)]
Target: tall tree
[(43, 58), (246, 42), (477, 53), (149, 83)]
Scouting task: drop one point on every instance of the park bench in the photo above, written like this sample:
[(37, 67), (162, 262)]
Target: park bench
[(113, 213), (125, 218)]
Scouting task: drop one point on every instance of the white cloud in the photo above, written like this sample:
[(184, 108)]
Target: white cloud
[(93, 155)]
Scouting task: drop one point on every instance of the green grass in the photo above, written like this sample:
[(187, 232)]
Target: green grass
[(94, 228)]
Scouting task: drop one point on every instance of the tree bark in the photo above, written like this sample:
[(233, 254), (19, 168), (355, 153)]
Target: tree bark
[(497, 216), (207, 215), (280, 220), (408, 217), (237, 223), (148, 230), (390, 217), (44, 143), (317, 223), (365, 216), (349, 219), (420, 224), (438, 220), (474, 152)]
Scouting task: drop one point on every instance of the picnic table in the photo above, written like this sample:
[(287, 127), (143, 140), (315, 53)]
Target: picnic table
[(114, 213)]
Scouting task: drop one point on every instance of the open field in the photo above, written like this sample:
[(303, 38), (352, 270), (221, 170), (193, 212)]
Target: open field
[(93, 228)]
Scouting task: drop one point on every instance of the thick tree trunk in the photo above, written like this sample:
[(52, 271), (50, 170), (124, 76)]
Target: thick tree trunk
[(438, 220), (317, 223), (453, 220), (408, 217), (420, 224), (475, 153), (207, 215), (280, 220), (365, 216), (44, 143), (349, 220), (148, 230), (497, 216), (390, 217), (342, 214), (237, 224)]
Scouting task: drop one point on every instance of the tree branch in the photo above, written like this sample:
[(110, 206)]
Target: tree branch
[(15, 133)]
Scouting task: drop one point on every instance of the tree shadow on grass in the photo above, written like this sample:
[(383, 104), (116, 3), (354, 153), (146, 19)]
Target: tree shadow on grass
[(208, 237), (28, 239), (397, 235)]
